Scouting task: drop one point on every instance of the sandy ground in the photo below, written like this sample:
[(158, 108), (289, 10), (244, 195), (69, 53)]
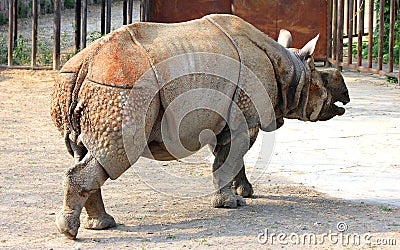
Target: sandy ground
[(33, 160)]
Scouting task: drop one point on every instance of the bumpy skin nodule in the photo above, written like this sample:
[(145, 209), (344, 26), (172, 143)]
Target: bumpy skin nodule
[(92, 92)]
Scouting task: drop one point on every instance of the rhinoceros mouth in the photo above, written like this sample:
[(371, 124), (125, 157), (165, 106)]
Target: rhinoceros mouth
[(332, 110), (338, 110)]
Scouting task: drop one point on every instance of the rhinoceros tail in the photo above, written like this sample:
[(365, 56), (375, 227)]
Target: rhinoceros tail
[(65, 91)]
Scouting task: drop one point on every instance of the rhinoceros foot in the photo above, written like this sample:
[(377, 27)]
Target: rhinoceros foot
[(225, 198), (68, 224), (244, 189), (99, 222)]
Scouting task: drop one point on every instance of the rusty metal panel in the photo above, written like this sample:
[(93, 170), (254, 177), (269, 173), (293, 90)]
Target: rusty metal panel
[(304, 19), (184, 10), (263, 14)]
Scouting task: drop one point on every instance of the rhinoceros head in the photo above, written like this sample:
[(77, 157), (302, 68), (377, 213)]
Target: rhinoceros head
[(325, 87)]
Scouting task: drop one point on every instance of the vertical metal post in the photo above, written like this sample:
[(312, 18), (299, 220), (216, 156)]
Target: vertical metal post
[(354, 14), (381, 30), (84, 23), (145, 10), (124, 12), (329, 30), (360, 32), (108, 17), (339, 49), (391, 36), (370, 31), (34, 31), (10, 31), (130, 11), (57, 34), (77, 25), (350, 32), (334, 27), (15, 22), (103, 17)]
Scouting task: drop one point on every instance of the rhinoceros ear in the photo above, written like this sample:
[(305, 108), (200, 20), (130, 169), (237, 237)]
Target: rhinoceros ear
[(285, 38), (309, 48)]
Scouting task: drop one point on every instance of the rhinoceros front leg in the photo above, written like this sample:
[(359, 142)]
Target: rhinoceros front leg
[(80, 182), (227, 164), (97, 218), (241, 185)]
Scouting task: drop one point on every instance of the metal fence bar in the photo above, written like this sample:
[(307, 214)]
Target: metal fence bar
[(125, 12), (370, 31), (10, 32), (84, 23), (34, 31), (130, 11), (355, 9), (350, 31), (15, 22), (360, 32), (378, 44), (329, 29), (391, 36), (334, 27), (381, 30), (108, 17), (339, 42), (77, 25), (103, 17), (57, 34)]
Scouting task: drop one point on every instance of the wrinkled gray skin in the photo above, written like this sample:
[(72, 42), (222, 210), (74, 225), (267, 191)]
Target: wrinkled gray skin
[(83, 181)]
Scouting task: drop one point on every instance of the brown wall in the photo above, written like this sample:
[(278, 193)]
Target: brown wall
[(304, 19), (183, 10)]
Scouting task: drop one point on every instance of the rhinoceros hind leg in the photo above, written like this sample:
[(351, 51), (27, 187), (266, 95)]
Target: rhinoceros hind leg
[(97, 218), (81, 181), (241, 185), (227, 165)]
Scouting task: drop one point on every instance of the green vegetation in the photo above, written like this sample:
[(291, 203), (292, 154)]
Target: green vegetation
[(386, 26), (93, 36), (22, 52), (386, 32), (385, 208), (3, 19), (170, 237), (69, 4), (3, 50)]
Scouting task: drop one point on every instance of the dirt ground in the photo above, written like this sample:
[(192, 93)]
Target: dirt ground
[(33, 160)]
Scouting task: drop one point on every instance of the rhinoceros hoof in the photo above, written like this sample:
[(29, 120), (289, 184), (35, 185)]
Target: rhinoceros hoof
[(99, 222), (227, 200), (244, 189), (68, 224)]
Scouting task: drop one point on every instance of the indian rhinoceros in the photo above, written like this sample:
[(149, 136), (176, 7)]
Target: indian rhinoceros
[(101, 98)]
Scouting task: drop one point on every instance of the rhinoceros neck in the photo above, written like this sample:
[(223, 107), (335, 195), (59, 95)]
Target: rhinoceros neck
[(296, 99), (292, 77)]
